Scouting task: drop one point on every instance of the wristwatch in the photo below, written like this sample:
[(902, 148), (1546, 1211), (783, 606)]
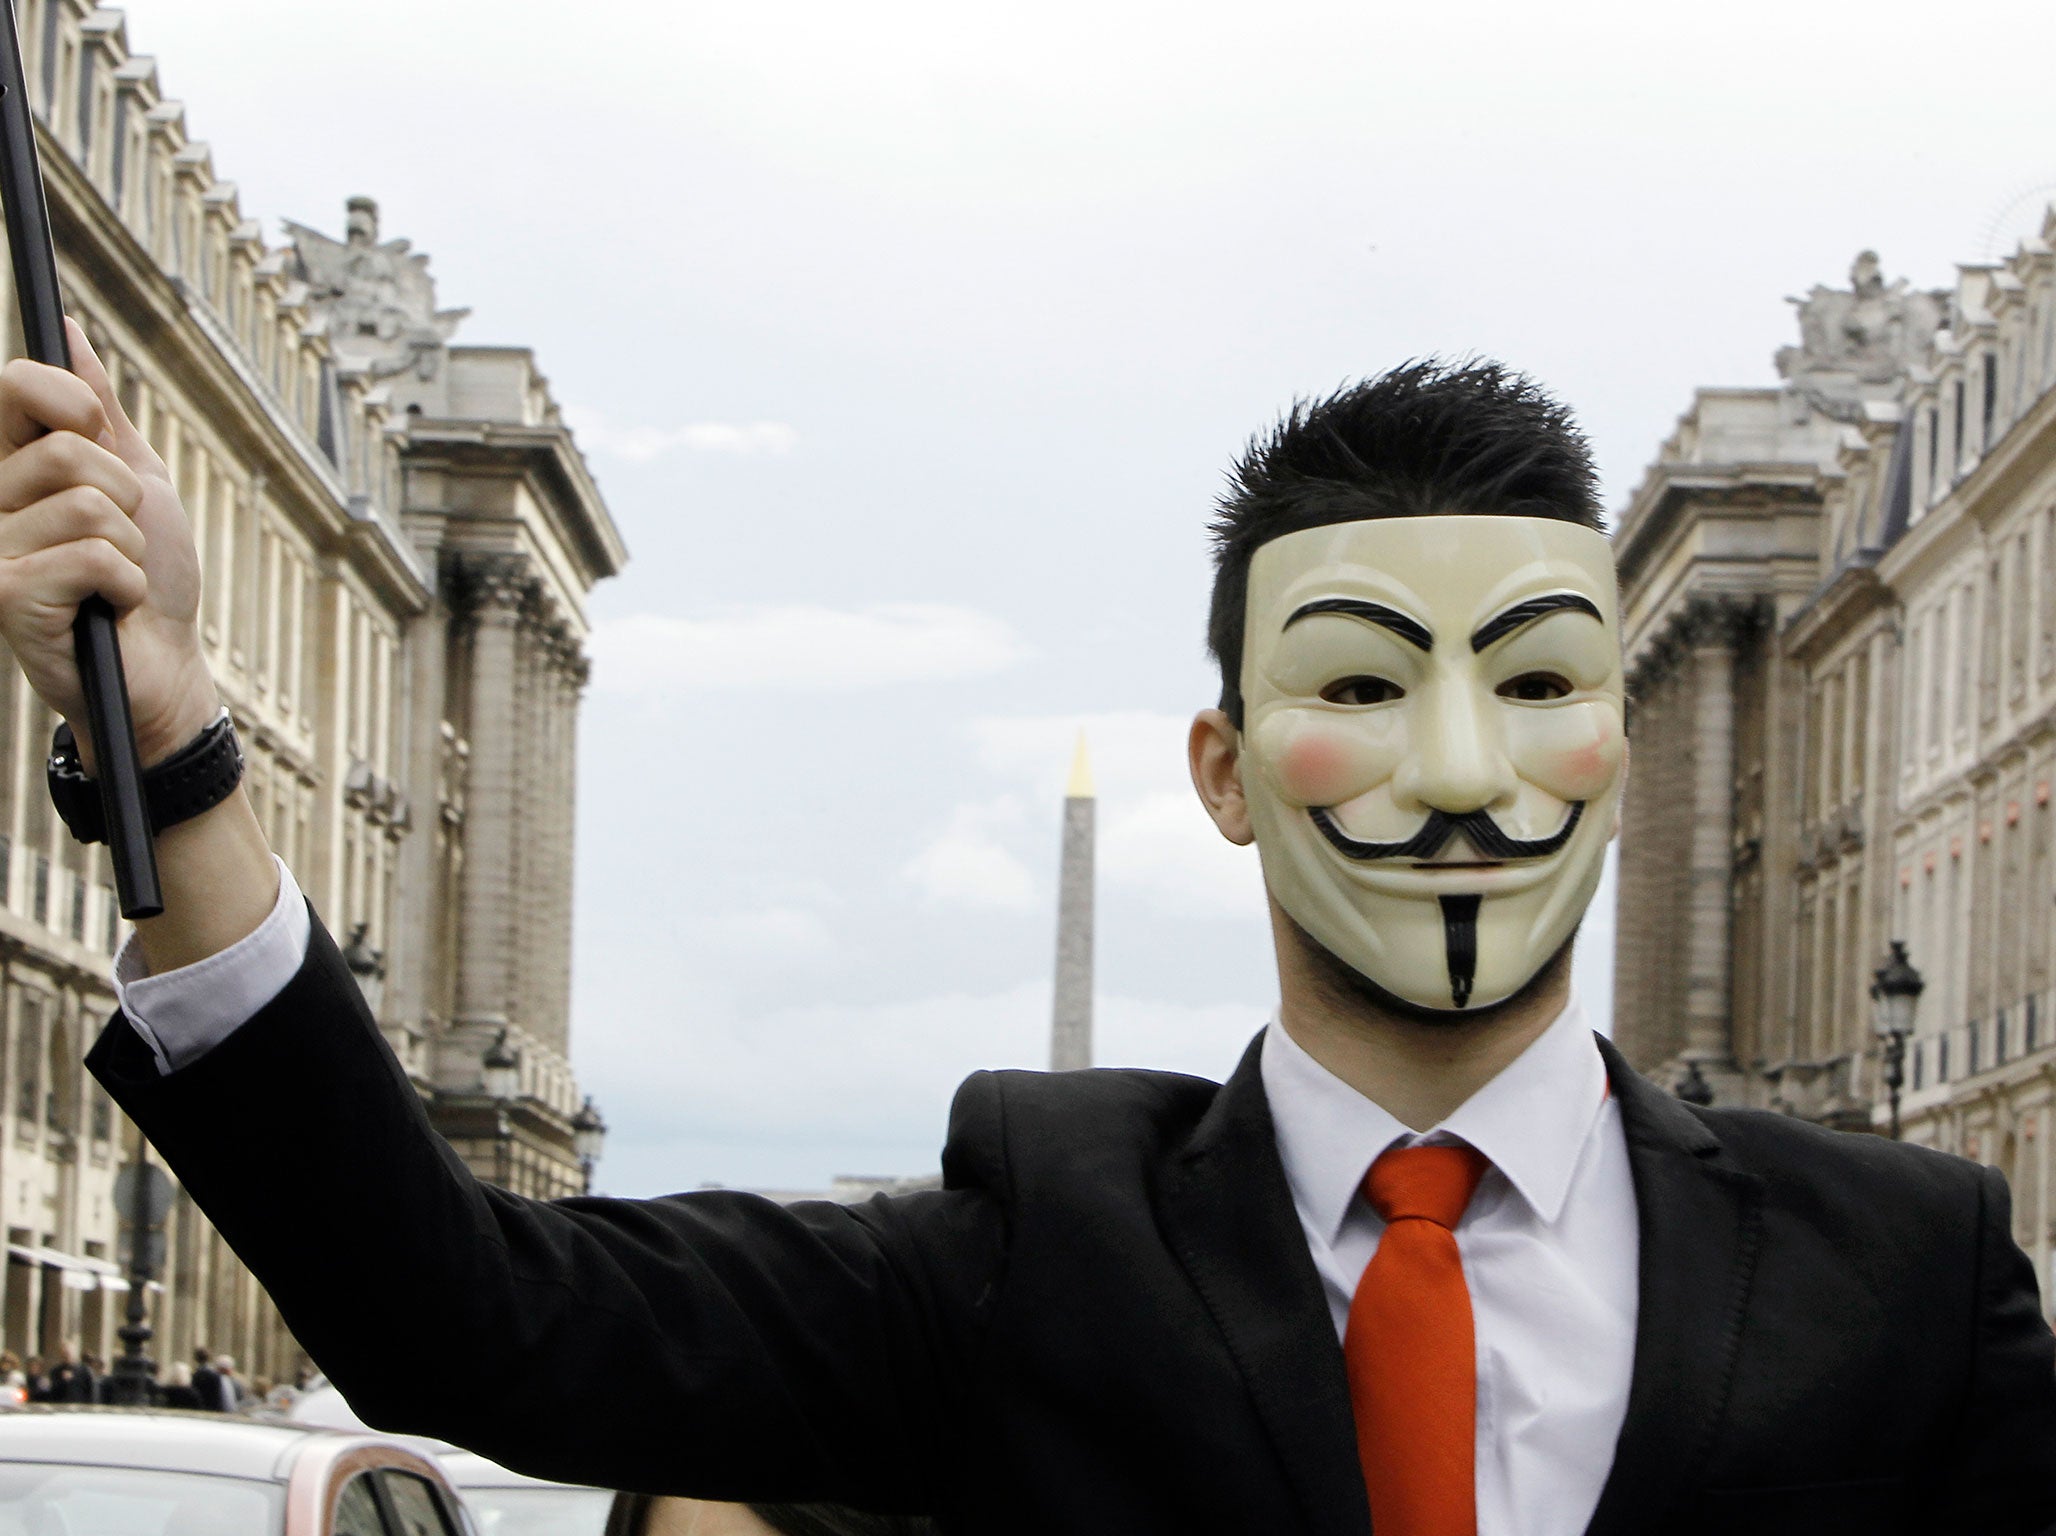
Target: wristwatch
[(198, 777)]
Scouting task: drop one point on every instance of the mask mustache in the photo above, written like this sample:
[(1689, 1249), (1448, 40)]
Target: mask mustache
[(1478, 829)]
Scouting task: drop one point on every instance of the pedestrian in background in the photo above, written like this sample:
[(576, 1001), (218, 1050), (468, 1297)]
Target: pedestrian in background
[(235, 1392), (14, 1382), (178, 1387), (206, 1383), (71, 1381), (281, 1397)]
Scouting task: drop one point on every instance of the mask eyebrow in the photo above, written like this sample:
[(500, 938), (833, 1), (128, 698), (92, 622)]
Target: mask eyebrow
[(1504, 623), (1411, 630)]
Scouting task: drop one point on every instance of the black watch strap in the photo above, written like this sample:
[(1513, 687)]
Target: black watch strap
[(198, 777)]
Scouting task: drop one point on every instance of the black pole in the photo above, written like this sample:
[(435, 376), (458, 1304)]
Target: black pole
[(135, 1373), (93, 634), (1895, 1075)]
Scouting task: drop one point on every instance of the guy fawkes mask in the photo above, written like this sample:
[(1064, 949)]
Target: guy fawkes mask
[(1433, 742)]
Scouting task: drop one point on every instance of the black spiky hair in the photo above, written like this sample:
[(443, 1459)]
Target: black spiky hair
[(1428, 438)]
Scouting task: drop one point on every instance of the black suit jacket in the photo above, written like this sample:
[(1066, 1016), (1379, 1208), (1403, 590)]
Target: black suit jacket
[(1107, 1320), (71, 1383)]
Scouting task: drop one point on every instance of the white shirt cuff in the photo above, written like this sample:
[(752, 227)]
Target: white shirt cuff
[(184, 1014)]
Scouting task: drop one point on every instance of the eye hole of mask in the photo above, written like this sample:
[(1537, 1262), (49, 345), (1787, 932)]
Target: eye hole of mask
[(1362, 690), (1535, 687)]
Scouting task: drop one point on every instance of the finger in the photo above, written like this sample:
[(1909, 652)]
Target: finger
[(58, 578), (85, 362), (60, 461), (36, 398), (77, 512)]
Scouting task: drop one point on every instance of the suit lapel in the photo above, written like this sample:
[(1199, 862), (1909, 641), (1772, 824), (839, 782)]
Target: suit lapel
[(1228, 1215), (1700, 1222)]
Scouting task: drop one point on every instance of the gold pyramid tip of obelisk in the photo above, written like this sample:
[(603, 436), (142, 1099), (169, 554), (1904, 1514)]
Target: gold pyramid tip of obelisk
[(1080, 787)]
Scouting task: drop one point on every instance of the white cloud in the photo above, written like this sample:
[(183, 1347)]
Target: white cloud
[(843, 1070), (1154, 837), (819, 1090), (641, 444), (784, 935), (1164, 846), (969, 865), (1205, 1039), (795, 646), (1132, 751)]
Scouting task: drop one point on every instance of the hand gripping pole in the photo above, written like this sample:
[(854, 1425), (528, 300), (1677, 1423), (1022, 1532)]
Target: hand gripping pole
[(93, 632)]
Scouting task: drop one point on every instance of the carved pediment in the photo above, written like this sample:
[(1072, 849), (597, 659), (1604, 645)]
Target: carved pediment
[(1856, 343), (375, 300)]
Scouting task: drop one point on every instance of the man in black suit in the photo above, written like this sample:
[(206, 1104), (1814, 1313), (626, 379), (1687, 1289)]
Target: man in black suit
[(71, 1379), (1433, 1251)]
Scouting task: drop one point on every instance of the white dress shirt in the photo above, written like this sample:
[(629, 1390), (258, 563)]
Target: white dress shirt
[(184, 1014), (1549, 1243), (1549, 1247)]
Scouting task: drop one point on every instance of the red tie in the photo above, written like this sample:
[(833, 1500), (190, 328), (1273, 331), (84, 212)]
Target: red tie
[(1410, 1349)]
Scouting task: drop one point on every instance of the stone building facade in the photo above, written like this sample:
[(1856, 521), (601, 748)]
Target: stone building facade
[(1840, 616), (398, 534)]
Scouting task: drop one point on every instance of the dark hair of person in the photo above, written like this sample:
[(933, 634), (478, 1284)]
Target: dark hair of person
[(1428, 438), (837, 1520), (630, 1514)]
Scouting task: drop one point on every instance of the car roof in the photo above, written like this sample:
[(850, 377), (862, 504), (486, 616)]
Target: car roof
[(468, 1469), (324, 1405), (166, 1440)]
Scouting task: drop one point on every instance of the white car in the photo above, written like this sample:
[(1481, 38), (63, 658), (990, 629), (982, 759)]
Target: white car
[(502, 1503), (85, 1470)]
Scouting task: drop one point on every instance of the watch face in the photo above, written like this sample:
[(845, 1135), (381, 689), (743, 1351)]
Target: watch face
[(1433, 747), (76, 797)]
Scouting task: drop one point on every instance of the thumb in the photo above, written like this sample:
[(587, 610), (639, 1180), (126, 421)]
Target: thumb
[(122, 438)]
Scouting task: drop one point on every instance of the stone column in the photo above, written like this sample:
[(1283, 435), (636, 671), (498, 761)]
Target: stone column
[(1713, 635), (570, 680), (412, 925), (548, 869), (494, 587), (1070, 1046), (531, 808)]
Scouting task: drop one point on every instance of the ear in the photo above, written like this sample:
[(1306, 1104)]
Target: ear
[(1214, 750)]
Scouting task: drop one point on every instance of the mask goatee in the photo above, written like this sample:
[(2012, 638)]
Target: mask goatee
[(1460, 935)]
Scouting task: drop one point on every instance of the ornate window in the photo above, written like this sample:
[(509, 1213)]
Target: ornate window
[(28, 1062), (85, 104), (1989, 412), (2019, 604), (51, 11)]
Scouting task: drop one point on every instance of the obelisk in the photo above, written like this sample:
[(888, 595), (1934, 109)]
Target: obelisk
[(1070, 1035)]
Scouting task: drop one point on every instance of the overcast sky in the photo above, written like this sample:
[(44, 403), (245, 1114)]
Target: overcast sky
[(909, 343)]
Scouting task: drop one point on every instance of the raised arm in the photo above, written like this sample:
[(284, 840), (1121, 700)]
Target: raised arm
[(714, 1344), (86, 506)]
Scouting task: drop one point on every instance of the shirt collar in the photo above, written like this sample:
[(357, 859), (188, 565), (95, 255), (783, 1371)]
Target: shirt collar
[(1531, 1121)]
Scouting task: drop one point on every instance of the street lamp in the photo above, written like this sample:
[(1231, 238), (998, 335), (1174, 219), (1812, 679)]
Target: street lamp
[(142, 1200), (502, 1072), (588, 1135), (367, 965), (1896, 989)]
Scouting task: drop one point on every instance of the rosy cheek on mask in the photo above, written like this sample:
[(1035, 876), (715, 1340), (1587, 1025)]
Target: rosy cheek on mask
[(1573, 753), (1316, 758)]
